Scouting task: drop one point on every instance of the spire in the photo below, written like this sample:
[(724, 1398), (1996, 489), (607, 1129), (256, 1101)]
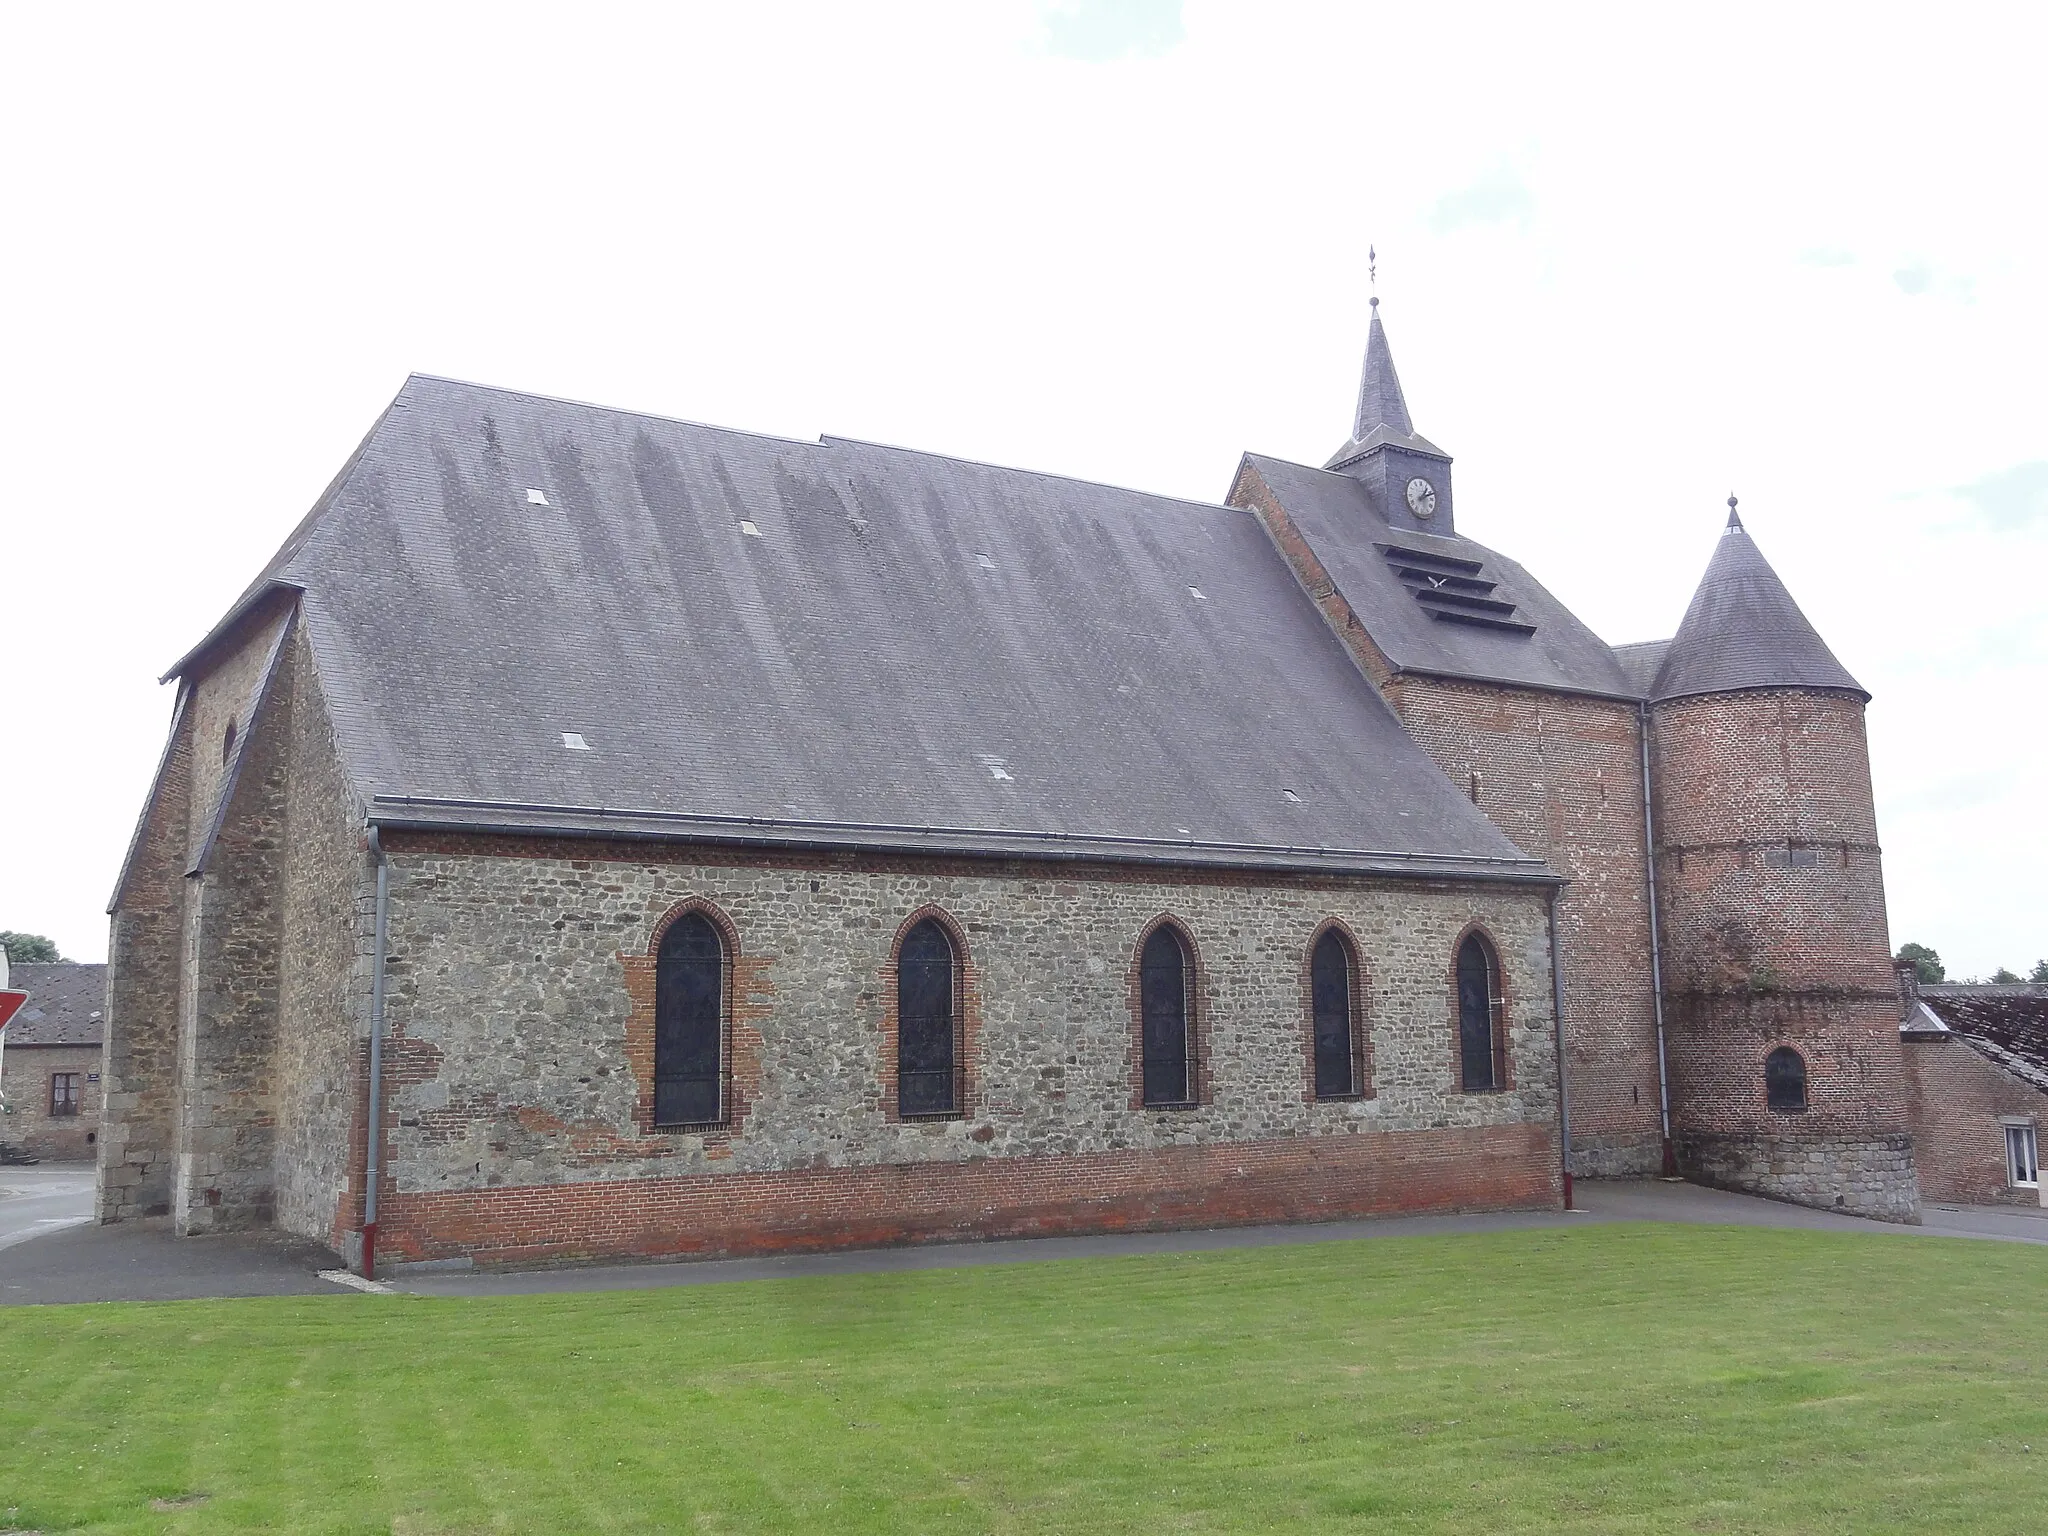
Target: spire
[(1744, 631), (1380, 402)]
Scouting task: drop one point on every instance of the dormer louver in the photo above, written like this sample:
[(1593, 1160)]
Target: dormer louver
[(1454, 590)]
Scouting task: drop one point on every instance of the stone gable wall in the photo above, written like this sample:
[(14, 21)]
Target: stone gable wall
[(511, 1071)]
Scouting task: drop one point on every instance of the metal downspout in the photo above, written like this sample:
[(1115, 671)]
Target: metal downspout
[(1670, 1162), (373, 1157), (1564, 1108)]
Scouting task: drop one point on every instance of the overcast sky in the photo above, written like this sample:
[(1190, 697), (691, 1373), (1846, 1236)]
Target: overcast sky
[(1628, 263)]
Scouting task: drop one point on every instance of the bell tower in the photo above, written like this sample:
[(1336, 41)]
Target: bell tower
[(1408, 476)]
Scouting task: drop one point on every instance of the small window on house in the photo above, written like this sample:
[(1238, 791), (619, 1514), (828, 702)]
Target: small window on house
[(64, 1093), (1482, 1037), (927, 1026), (227, 743), (689, 1024), (2023, 1156), (1785, 1079), (1339, 1073), (1164, 1038)]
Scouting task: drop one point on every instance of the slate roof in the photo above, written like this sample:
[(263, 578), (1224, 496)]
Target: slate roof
[(836, 643), (63, 1007), (1744, 631), (2009, 1025), (1382, 415), (1335, 514), (1640, 660)]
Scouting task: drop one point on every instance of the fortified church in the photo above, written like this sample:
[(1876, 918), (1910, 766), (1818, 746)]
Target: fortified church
[(595, 834)]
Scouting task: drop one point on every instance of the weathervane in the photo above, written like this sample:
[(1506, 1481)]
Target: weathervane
[(1372, 273)]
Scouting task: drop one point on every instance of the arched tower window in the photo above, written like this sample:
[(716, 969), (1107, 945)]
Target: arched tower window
[(689, 1024), (1165, 1041), (1333, 974), (1482, 1040), (927, 1024), (1785, 1079)]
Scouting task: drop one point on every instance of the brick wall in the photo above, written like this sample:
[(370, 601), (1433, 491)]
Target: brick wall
[(1772, 899), (512, 1076), (1561, 775), (29, 1124), (1958, 1099)]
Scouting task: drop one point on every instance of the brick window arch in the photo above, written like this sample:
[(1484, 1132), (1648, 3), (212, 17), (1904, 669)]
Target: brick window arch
[(931, 1022), (1339, 1048), (1168, 1063), (1785, 1079), (1479, 1008), (742, 984)]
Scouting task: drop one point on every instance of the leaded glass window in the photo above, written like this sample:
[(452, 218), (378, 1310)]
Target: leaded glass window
[(1330, 991), (1163, 1020), (1479, 1042), (927, 1079), (689, 1024)]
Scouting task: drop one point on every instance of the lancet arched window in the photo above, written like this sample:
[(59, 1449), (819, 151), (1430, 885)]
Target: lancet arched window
[(1333, 976), (689, 1024), (1482, 1039), (1166, 1040), (927, 1023)]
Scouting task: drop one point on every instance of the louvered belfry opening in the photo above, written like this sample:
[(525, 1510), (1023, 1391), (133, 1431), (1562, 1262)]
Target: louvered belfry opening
[(1337, 1065), (689, 1024), (927, 1036), (1165, 1041), (1481, 1043), (1454, 590)]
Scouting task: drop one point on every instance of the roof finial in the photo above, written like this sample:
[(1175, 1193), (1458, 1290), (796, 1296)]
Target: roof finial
[(1372, 273), (1734, 521)]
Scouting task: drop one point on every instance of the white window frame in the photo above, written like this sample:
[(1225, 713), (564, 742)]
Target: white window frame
[(2021, 1134)]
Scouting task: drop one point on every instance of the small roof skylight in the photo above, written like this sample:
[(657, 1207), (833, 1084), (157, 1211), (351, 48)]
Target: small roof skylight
[(574, 741), (984, 562), (1290, 797), (536, 498), (1198, 592), (749, 529), (997, 768)]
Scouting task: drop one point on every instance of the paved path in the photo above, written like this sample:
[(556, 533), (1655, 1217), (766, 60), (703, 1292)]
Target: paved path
[(38, 1200), (142, 1261)]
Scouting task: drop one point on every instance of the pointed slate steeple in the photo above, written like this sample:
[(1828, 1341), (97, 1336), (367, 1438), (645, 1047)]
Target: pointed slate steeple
[(1409, 475), (1744, 631)]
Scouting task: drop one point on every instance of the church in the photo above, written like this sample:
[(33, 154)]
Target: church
[(600, 835)]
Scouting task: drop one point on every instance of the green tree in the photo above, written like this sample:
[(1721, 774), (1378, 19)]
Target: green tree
[(2040, 976), (2003, 978), (1925, 961), (28, 948)]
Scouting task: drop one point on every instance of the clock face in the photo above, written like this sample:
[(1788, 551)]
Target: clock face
[(1421, 497)]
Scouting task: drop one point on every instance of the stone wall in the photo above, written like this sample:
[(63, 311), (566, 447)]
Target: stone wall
[(516, 1065), (1960, 1104), (1860, 1177), (323, 980), (29, 1125)]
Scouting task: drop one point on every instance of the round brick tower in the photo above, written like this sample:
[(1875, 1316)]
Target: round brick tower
[(1781, 1008)]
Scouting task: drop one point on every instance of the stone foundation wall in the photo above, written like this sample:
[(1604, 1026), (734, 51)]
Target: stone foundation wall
[(1860, 1178)]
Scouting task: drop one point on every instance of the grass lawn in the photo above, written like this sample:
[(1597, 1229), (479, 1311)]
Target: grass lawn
[(1608, 1378)]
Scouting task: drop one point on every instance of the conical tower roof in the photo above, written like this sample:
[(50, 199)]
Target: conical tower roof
[(1744, 631), (1382, 408)]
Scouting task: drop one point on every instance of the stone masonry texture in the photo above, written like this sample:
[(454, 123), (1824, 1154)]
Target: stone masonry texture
[(517, 1063), (29, 1124)]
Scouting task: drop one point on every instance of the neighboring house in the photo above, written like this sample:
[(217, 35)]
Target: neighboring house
[(50, 1061), (1977, 1062), (721, 843)]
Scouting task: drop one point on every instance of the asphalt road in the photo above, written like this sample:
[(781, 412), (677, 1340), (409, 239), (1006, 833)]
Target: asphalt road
[(43, 1199)]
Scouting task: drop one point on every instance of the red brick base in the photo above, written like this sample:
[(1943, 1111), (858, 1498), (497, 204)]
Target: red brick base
[(1322, 1178)]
